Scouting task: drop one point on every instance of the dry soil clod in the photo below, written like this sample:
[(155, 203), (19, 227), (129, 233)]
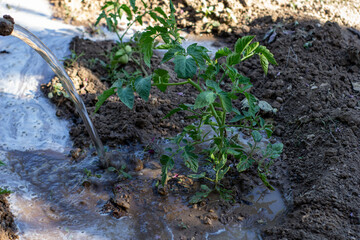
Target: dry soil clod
[(6, 25)]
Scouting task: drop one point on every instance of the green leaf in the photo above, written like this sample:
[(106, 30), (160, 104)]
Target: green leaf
[(143, 86), (101, 16), (200, 195), (126, 95), (198, 176), (222, 173), (226, 101), (167, 164), (171, 53), (102, 98), (204, 99), (191, 159), (264, 63), (172, 9), (256, 135), (118, 83), (127, 10), (222, 52), (111, 169), (132, 3), (153, 16), (252, 47), (269, 56), (237, 118), (1, 163), (233, 59), (175, 110), (146, 46), (199, 54), (244, 164), (213, 85), (159, 10), (242, 43), (185, 67), (160, 77), (4, 191)]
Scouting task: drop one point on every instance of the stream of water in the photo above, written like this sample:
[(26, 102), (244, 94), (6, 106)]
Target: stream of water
[(34, 42), (48, 200)]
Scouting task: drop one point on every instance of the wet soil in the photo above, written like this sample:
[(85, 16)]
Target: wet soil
[(315, 87)]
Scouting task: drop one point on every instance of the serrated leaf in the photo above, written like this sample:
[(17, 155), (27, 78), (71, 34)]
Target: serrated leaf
[(159, 10), (160, 77), (153, 16), (222, 52), (185, 67), (167, 164), (171, 53), (102, 98), (191, 159), (226, 101), (127, 10), (268, 55), (256, 135), (146, 46), (126, 96), (101, 16), (200, 195), (143, 86), (199, 54), (242, 43), (233, 59), (204, 99), (252, 47), (264, 63)]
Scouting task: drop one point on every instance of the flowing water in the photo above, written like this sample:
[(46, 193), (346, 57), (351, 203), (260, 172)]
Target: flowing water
[(57, 67), (49, 201)]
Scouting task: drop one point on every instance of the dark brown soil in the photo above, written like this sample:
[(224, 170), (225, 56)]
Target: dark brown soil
[(315, 87), (7, 226)]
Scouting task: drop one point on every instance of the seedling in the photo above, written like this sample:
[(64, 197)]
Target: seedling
[(120, 172), (4, 190), (72, 59), (212, 109)]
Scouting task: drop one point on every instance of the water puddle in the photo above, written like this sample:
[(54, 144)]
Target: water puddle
[(263, 208)]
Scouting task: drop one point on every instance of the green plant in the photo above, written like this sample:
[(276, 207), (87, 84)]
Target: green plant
[(213, 109), (59, 90), (2, 190), (72, 59), (89, 174), (120, 172)]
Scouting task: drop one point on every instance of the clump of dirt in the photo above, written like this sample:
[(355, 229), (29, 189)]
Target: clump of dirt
[(8, 228)]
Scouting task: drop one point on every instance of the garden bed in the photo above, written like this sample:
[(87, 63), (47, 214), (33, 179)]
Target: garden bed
[(315, 88)]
